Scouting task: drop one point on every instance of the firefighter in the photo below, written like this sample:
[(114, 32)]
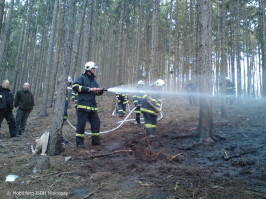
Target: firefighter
[(137, 101), (69, 83), (191, 90), (122, 100), (87, 89), (150, 108), (24, 101), (230, 91), (6, 107)]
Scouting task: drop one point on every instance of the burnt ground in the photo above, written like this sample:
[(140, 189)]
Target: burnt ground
[(127, 166)]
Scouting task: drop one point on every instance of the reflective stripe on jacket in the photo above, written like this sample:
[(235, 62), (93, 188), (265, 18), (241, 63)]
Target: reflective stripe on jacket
[(151, 104), (86, 99)]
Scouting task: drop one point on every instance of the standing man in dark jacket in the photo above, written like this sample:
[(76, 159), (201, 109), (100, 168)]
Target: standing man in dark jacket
[(87, 89), (24, 101), (6, 107)]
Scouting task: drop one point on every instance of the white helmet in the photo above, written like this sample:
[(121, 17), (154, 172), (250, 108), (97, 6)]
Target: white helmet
[(140, 83), (227, 78), (69, 79), (90, 65), (159, 83)]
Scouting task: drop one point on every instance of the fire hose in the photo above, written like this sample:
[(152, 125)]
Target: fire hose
[(103, 132)]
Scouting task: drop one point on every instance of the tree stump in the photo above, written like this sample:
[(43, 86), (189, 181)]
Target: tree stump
[(39, 163)]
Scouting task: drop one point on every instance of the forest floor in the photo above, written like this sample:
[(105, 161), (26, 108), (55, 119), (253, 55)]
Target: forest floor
[(127, 166)]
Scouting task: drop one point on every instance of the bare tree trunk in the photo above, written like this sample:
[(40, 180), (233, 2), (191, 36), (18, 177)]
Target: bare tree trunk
[(2, 12), (232, 58), (48, 63), (76, 52), (263, 43), (22, 53), (186, 64), (26, 54), (16, 74), (238, 56), (177, 37), (59, 32), (170, 48), (5, 40), (218, 49), (223, 59), (155, 41), (119, 67), (55, 146), (87, 33), (204, 66), (139, 41)]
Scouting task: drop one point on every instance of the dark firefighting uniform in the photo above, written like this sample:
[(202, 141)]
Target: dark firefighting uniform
[(6, 107), (191, 88), (137, 103), (87, 108), (122, 100), (24, 101), (150, 108), (74, 97), (230, 92), (66, 104)]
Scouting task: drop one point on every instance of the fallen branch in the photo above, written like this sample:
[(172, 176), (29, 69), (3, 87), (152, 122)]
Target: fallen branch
[(228, 157), (173, 157)]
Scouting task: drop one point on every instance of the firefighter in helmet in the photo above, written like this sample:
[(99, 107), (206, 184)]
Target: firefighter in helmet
[(137, 101), (87, 89), (122, 100), (150, 108)]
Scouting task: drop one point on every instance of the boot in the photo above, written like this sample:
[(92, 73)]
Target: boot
[(138, 121), (95, 140), (80, 142)]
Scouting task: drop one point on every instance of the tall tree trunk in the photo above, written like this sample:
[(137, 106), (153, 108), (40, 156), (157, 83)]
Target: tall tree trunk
[(139, 41), (204, 66), (23, 46), (25, 65), (263, 43), (2, 12), (49, 61), (75, 55), (177, 39), (55, 146), (59, 40), (232, 57), (238, 56), (169, 57), (119, 67), (5, 40), (41, 57), (32, 69), (87, 34), (223, 59), (155, 66)]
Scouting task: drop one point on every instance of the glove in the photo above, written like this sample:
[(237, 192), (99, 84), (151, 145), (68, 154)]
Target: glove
[(138, 105)]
